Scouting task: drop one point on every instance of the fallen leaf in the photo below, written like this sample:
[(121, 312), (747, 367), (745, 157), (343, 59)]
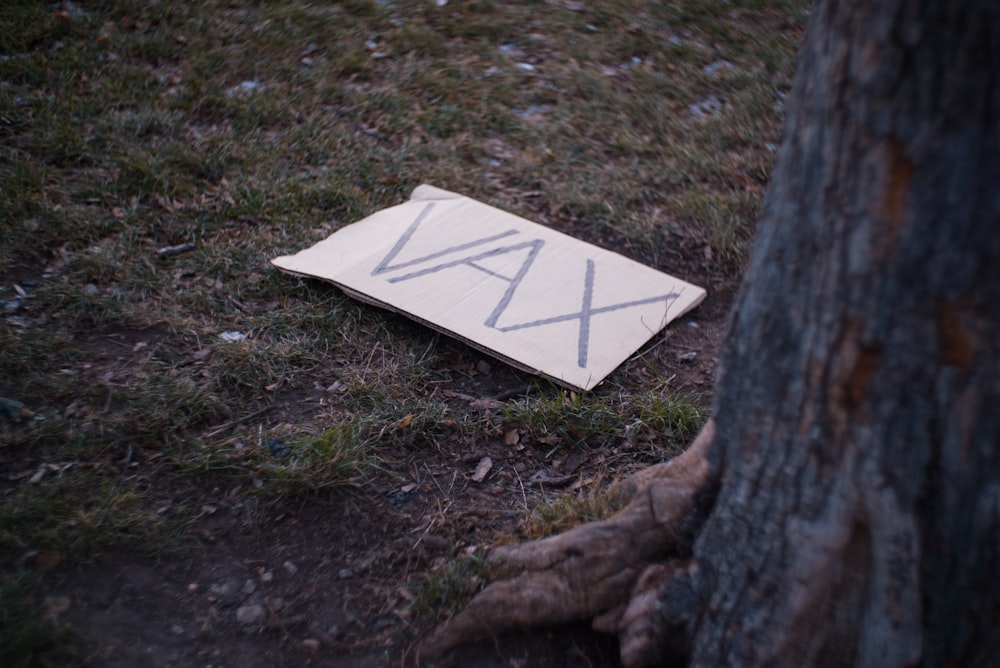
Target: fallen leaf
[(406, 421), (511, 437), (46, 561), (482, 469), (574, 462), (55, 605)]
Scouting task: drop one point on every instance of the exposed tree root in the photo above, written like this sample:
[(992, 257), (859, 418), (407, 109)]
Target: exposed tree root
[(610, 571)]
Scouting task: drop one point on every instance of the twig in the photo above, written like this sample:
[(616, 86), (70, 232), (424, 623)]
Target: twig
[(524, 496), (515, 392), (229, 425), (175, 250)]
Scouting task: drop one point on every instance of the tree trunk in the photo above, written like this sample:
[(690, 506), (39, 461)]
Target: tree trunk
[(853, 479), (858, 521)]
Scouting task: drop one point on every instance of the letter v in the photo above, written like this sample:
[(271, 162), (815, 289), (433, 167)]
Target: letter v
[(386, 266)]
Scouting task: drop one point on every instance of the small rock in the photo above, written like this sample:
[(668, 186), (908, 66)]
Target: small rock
[(290, 567), (266, 576), (709, 106), (233, 336), (310, 645), (249, 586), (11, 409), (251, 614), (345, 573), (225, 591), (243, 87), (278, 447), (718, 67), (383, 623), (436, 543)]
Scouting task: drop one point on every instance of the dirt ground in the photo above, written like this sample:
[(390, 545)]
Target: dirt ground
[(317, 579)]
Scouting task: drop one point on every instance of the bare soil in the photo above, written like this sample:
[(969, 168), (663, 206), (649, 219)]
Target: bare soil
[(318, 579)]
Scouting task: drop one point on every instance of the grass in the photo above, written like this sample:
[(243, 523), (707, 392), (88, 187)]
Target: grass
[(567, 511), (74, 512), (253, 129), (286, 461), (446, 588), (576, 420), (29, 633)]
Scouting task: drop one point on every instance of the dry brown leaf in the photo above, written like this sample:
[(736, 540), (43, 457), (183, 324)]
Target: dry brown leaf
[(46, 561), (482, 469)]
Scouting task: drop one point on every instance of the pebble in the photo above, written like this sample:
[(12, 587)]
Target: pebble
[(249, 586), (436, 543), (290, 567), (345, 573), (250, 614), (383, 623), (224, 589), (310, 644)]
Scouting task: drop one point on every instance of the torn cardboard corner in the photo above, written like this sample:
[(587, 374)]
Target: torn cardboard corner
[(535, 298)]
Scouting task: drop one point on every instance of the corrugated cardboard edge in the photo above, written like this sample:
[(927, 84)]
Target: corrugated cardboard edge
[(361, 297)]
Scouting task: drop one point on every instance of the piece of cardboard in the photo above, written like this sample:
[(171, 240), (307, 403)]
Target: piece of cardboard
[(528, 295)]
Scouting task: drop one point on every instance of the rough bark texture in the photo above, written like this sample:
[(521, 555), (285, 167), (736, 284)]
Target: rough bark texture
[(858, 521)]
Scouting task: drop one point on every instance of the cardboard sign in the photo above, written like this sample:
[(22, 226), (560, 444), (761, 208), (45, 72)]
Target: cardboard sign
[(528, 295)]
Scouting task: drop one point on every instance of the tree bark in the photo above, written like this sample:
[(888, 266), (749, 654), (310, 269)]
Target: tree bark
[(858, 520), (854, 470)]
